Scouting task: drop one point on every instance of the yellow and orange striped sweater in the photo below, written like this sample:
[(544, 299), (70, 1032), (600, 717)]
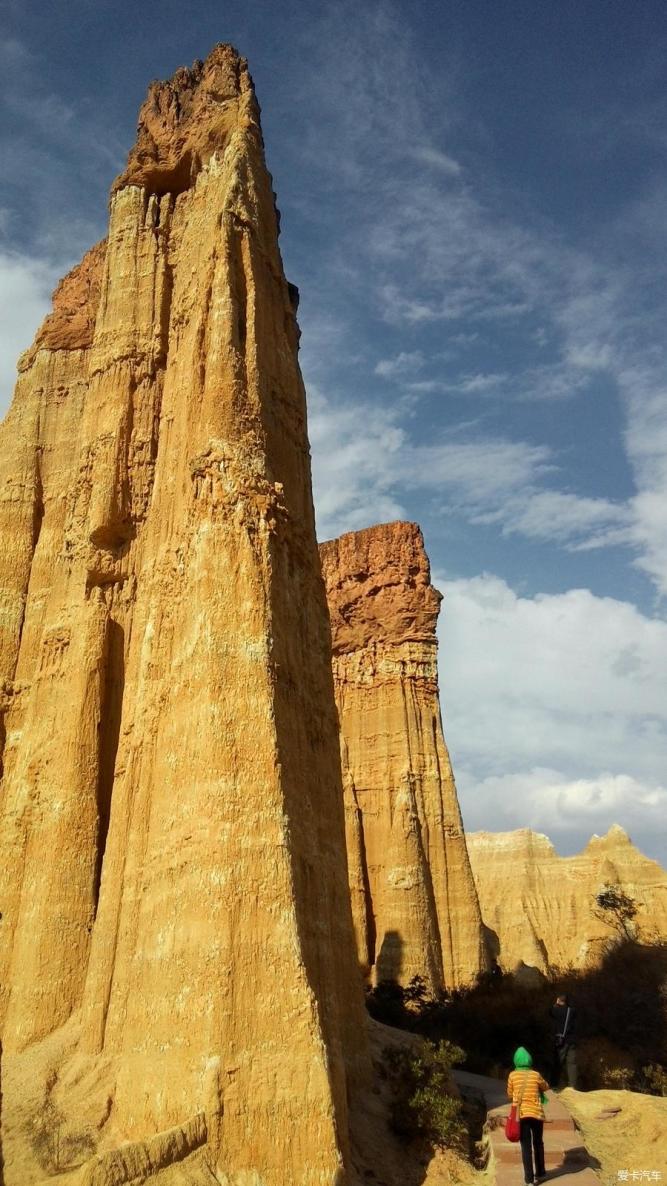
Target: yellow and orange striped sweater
[(527, 1085)]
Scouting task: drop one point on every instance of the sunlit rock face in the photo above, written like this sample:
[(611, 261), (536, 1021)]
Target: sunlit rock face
[(177, 948), (540, 907), (414, 902)]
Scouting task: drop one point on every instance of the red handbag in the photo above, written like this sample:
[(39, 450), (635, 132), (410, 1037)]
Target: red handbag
[(512, 1125)]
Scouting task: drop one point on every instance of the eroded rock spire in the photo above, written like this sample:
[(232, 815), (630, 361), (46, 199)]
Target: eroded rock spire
[(177, 949), (414, 900)]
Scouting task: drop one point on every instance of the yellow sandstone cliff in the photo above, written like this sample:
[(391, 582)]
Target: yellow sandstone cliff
[(414, 902), (177, 955), (540, 905)]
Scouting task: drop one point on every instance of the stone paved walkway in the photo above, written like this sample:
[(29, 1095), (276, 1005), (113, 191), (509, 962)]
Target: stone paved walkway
[(564, 1154)]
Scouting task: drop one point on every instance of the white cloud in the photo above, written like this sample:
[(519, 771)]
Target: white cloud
[(589, 356), (651, 534), (474, 473), (25, 288), (570, 520), (441, 161), (403, 364), (353, 470), (480, 382), (361, 477), (556, 381), (645, 393), (62, 155), (555, 711), (365, 462), (568, 810), (434, 249)]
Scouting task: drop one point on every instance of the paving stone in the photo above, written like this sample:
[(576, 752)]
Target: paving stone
[(565, 1156)]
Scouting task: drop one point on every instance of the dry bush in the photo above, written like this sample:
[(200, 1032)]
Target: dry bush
[(56, 1148)]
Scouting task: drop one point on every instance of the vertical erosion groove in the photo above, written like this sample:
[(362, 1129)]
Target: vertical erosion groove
[(37, 520), (166, 290), (240, 285), (109, 726), (371, 930), (37, 509)]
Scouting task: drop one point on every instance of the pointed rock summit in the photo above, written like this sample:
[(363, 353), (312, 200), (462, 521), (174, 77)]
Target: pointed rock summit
[(177, 958), (539, 905), (414, 901)]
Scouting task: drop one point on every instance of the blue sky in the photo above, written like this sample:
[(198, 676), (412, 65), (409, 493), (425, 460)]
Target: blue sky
[(473, 200)]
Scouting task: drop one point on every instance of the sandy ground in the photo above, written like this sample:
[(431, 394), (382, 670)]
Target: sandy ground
[(379, 1159), (631, 1140)]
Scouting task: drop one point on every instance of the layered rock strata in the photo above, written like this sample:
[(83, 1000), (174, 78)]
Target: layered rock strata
[(540, 906), (414, 902), (172, 853)]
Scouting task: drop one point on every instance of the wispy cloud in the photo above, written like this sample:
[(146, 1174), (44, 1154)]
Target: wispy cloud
[(571, 520), (61, 156), (403, 365), (464, 384), (475, 384), (364, 477), (437, 160), (367, 476), (428, 279), (435, 253)]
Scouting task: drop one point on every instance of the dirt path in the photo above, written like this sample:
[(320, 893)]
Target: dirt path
[(564, 1154)]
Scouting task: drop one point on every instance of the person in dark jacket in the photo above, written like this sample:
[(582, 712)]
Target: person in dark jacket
[(564, 1016)]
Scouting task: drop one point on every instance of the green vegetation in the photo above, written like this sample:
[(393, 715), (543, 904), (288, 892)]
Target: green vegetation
[(655, 1079), (423, 1105), (621, 1017), (616, 909)]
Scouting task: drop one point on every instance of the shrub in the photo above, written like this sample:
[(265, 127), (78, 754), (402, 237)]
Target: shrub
[(621, 1078), (617, 910), (47, 1136), (400, 1005), (423, 1105), (655, 1079), (386, 1003), (55, 1147)]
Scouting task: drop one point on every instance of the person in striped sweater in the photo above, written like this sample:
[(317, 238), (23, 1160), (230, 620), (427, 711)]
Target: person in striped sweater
[(525, 1088)]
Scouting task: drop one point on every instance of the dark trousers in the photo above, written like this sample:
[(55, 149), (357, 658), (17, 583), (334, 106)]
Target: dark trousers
[(532, 1142), (565, 1060)]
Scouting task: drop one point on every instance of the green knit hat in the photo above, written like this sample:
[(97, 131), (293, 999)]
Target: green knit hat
[(522, 1059)]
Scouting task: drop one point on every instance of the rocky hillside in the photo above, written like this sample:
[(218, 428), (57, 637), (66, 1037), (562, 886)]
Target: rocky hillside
[(539, 905)]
